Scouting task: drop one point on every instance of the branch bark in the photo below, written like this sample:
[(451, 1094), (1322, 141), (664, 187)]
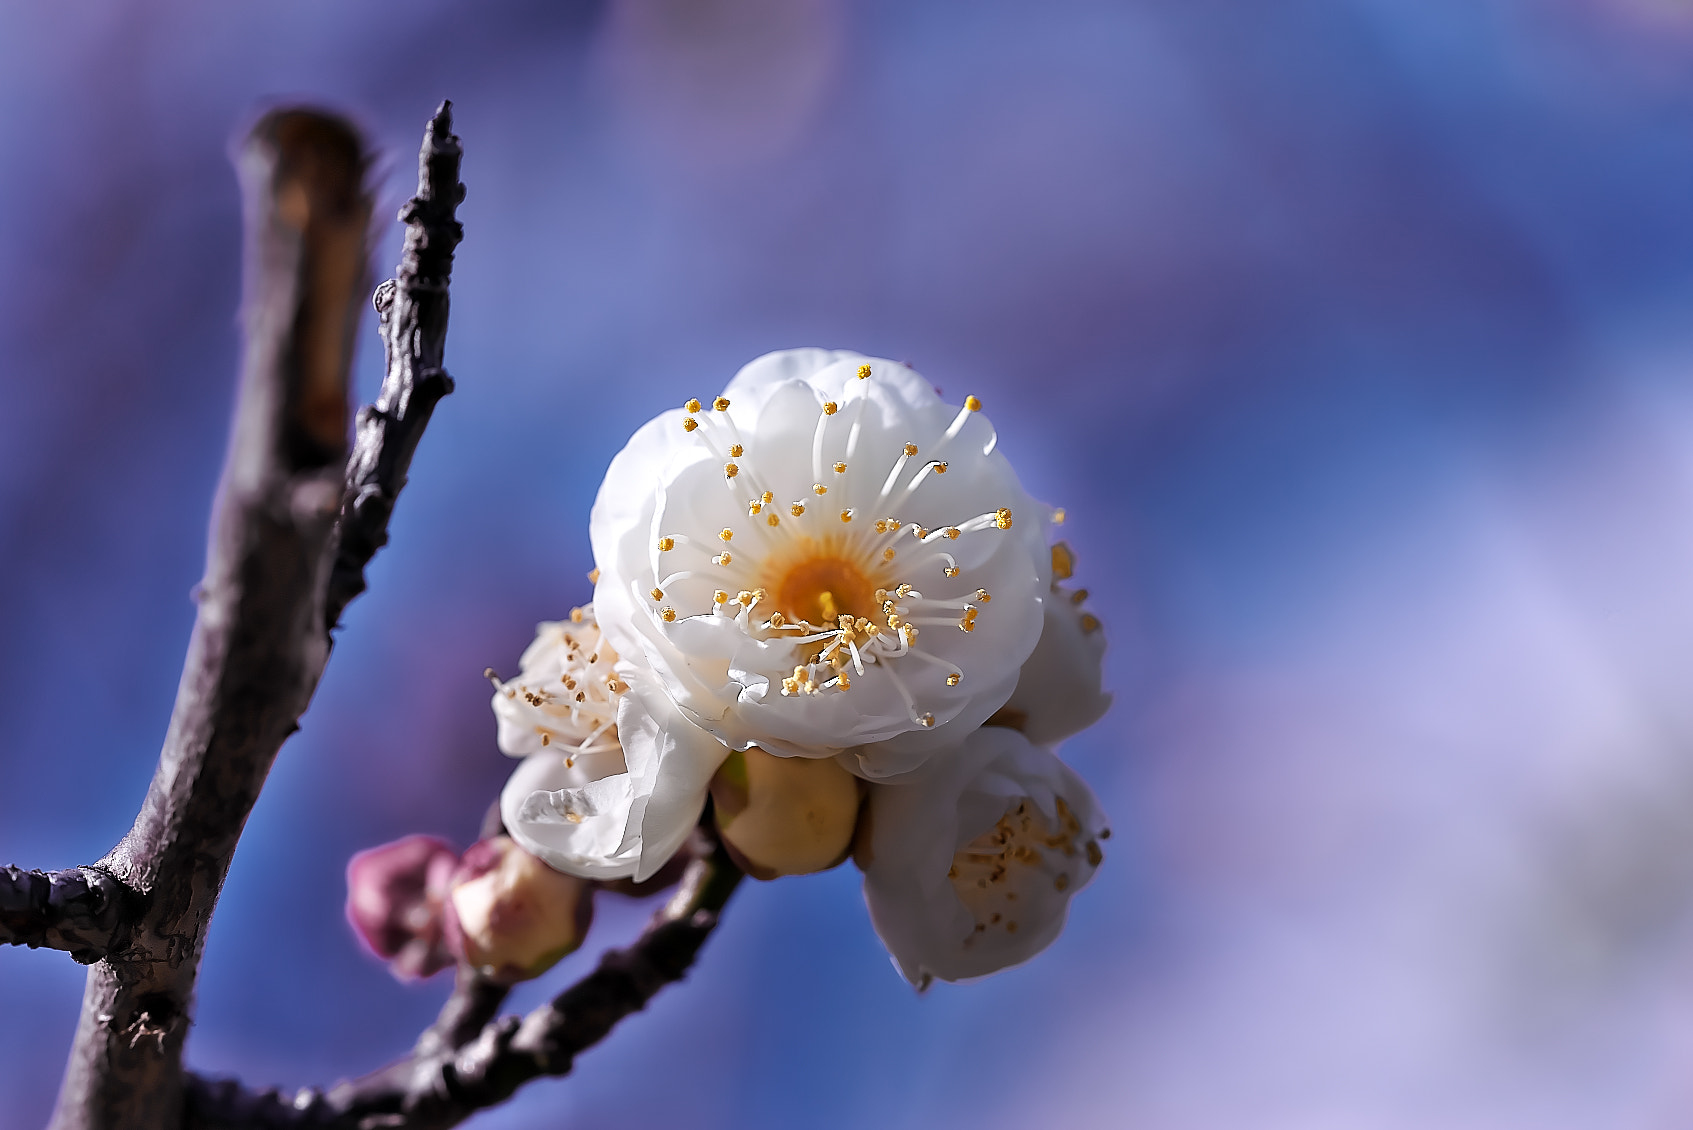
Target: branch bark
[(291, 512), (456, 1070), (83, 910)]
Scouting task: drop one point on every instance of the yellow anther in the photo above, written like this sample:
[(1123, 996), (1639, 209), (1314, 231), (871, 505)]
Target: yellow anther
[(790, 686), (576, 615), (726, 533), (982, 595), (908, 634), (720, 597), (736, 451), (864, 372), (887, 555), (951, 570), (777, 620), (846, 515), (665, 545), (797, 509), (830, 408), (844, 682), (767, 498), (1080, 596), (1090, 624), (1058, 516), (721, 559), (669, 615), (973, 404), (658, 594), (594, 575), (1063, 562), (840, 468), (730, 470), (952, 679), (911, 449), (689, 423), (952, 532), (881, 525), (721, 404), (940, 468), (1002, 518), (926, 720), (743, 597), (903, 591), (772, 519), (693, 404), (754, 507)]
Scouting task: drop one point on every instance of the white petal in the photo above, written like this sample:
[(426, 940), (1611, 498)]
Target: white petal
[(1058, 693), (535, 806), (674, 761)]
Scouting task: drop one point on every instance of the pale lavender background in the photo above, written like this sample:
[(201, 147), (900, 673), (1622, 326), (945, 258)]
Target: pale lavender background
[(1353, 334)]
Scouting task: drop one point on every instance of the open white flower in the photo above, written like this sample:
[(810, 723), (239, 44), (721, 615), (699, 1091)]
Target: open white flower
[(613, 778), (969, 865), (807, 562), (1059, 692)]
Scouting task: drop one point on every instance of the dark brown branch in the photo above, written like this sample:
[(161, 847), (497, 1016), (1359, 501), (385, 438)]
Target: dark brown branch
[(413, 307), (259, 644), (82, 910), (443, 1082)]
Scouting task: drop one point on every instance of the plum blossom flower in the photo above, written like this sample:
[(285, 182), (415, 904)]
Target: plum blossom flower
[(1058, 692), (826, 556), (613, 778), (395, 894), (969, 864)]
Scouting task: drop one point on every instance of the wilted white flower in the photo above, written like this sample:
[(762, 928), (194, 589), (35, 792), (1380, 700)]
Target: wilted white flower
[(1058, 692), (807, 562), (613, 777), (969, 865)]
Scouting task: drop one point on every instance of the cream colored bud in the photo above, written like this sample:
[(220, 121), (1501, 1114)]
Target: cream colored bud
[(784, 815), (513, 917)]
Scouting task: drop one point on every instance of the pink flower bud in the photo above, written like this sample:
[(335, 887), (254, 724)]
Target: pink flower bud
[(510, 916), (395, 895)]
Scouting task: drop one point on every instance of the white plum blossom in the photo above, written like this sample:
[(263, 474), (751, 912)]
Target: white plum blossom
[(613, 778), (826, 556), (1059, 691), (969, 864)]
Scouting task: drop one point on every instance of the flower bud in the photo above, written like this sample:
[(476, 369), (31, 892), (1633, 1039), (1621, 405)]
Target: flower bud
[(394, 903), (784, 815), (512, 917)]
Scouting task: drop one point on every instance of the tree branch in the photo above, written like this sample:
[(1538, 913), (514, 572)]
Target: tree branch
[(82, 910), (444, 1081), (259, 644)]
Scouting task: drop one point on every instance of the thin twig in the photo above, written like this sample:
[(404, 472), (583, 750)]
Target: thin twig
[(436, 1087), (83, 910), (413, 307)]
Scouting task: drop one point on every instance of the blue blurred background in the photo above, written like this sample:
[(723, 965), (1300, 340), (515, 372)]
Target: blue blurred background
[(1352, 333)]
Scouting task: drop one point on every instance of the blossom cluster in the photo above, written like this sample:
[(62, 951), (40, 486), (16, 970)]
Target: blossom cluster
[(824, 603)]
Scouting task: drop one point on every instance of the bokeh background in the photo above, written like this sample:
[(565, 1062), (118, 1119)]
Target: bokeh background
[(1353, 334)]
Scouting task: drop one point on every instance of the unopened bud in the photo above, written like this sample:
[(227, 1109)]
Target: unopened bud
[(394, 903), (512, 917), (784, 815)]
